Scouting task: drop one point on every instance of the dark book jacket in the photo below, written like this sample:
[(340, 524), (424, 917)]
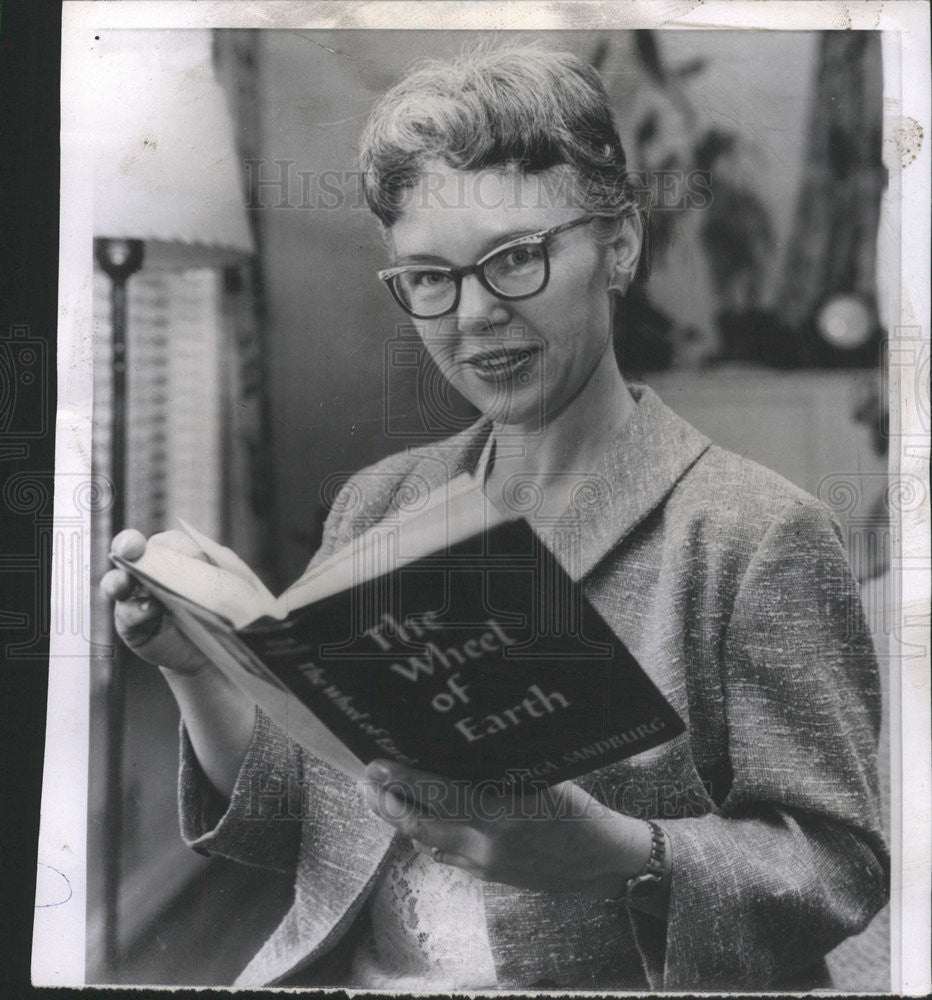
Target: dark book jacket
[(482, 661)]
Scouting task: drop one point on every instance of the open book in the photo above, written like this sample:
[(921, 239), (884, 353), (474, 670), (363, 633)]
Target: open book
[(448, 640)]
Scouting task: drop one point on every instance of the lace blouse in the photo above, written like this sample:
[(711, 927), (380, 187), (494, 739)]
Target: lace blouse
[(427, 927)]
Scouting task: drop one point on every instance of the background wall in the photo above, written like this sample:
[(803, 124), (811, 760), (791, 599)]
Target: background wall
[(319, 398), (329, 321)]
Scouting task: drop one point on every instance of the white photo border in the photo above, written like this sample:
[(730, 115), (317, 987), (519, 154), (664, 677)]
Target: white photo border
[(59, 928)]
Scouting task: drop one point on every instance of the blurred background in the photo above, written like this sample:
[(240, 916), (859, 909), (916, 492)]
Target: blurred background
[(259, 377)]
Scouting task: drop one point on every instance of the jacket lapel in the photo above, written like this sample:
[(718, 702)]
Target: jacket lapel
[(651, 454)]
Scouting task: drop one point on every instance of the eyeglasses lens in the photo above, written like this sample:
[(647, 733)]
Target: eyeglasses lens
[(425, 292), (516, 272)]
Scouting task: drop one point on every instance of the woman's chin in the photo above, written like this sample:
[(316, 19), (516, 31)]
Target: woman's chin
[(506, 402), (517, 420)]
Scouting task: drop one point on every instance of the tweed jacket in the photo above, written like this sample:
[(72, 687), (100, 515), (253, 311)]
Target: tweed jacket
[(731, 588)]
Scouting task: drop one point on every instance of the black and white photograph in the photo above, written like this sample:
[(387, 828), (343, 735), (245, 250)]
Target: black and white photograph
[(491, 501)]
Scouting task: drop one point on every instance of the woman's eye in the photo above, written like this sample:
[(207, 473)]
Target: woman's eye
[(520, 256), (429, 278)]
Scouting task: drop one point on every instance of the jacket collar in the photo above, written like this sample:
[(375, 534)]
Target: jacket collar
[(652, 452)]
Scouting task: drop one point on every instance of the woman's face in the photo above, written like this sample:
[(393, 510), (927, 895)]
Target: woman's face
[(520, 362)]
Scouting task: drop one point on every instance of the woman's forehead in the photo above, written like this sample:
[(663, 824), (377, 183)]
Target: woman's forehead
[(477, 205)]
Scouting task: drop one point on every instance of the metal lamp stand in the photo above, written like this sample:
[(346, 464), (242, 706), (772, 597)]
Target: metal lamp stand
[(119, 259)]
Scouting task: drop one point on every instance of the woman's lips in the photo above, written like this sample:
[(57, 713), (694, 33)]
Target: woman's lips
[(494, 366)]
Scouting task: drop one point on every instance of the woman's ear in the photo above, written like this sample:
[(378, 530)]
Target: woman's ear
[(626, 252)]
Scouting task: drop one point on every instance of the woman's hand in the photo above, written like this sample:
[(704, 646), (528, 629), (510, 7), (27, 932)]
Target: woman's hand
[(556, 839), (141, 621), (219, 718)]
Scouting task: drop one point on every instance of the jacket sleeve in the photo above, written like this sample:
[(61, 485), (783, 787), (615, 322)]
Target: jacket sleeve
[(795, 860), (261, 824)]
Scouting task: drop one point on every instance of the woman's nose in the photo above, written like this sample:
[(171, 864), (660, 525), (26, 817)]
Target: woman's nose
[(479, 309)]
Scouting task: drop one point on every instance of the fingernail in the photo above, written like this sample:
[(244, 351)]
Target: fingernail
[(363, 788), (379, 772)]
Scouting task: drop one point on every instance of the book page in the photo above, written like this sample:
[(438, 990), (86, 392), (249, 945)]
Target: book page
[(454, 514), (212, 587), (226, 559)]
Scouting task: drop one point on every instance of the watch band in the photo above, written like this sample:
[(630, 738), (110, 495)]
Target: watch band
[(645, 884)]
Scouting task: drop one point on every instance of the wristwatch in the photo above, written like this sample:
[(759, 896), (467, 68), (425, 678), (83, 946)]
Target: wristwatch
[(645, 886)]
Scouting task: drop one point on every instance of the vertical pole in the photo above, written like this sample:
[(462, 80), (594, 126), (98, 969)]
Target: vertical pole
[(119, 259)]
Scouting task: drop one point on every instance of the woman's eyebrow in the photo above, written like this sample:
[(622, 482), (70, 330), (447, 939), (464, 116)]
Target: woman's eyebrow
[(420, 258), (486, 247)]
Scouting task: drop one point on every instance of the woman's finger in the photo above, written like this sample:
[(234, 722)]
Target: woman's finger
[(178, 541), (432, 792), (118, 585), (387, 805), (431, 835), (138, 620), (129, 544), (436, 853)]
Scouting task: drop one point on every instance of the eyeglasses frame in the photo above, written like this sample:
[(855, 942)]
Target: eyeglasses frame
[(458, 273)]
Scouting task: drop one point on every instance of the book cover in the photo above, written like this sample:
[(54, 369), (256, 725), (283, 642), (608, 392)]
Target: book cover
[(481, 662)]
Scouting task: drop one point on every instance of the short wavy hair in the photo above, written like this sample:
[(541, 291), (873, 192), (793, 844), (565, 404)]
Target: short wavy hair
[(524, 107)]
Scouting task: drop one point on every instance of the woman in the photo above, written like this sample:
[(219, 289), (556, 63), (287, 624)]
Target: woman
[(734, 856)]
